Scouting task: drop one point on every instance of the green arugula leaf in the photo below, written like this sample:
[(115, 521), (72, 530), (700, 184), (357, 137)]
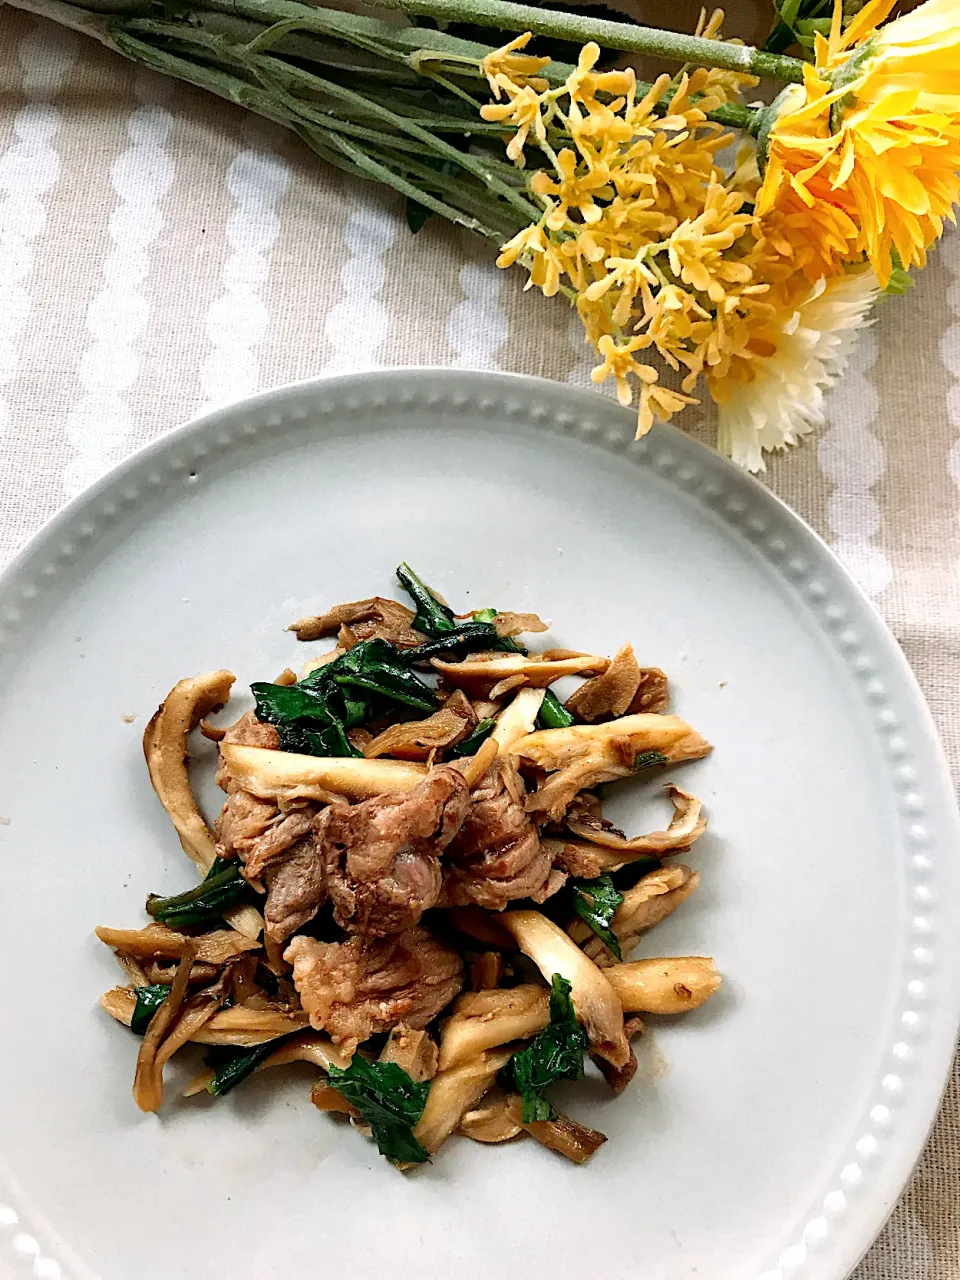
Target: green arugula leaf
[(304, 716), (436, 620), (230, 1065), (433, 617), (472, 744), (149, 1000), (553, 714), (376, 666), (467, 637), (389, 1101), (221, 888), (595, 901), (555, 1054), (647, 759), (330, 741), (313, 715)]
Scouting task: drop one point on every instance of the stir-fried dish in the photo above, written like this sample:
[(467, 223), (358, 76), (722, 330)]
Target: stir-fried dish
[(411, 883)]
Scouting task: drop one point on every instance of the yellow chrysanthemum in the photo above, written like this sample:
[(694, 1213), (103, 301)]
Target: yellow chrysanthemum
[(519, 68), (875, 131)]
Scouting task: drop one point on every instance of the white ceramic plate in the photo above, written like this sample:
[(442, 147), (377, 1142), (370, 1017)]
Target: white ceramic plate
[(791, 1108)]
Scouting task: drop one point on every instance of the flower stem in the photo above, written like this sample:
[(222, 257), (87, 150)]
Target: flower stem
[(626, 36)]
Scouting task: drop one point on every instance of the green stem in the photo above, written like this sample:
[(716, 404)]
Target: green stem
[(348, 26), (473, 164), (626, 36), (389, 178), (330, 143), (470, 199)]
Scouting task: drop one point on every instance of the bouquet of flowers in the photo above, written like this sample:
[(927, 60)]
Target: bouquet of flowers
[(707, 244)]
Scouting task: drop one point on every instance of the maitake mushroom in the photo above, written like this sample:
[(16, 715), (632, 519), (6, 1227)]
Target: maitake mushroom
[(583, 755)]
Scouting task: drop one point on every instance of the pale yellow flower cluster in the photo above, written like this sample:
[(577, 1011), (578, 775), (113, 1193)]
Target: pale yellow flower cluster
[(659, 250)]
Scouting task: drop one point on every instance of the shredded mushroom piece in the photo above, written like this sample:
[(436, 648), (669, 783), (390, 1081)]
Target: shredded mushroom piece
[(686, 825), (308, 1047), (517, 720), (561, 1134), (416, 739), (377, 616), (284, 775), (479, 674), (492, 1121), (518, 624), (453, 1093), (157, 940), (669, 985), (236, 1026), (473, 768), (148, 1079), (610, 693), (594, 1000), (165, 748), (413, 1050), (484, 1019), (584, 755)]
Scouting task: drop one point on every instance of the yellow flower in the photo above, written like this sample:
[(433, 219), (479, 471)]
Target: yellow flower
[(572, 190), (697, 249), (539, 254), (519, 68), (521, 109), (719, 86), (583, 85), (875, 131), (628, 275), (618, 362), (660, 403)]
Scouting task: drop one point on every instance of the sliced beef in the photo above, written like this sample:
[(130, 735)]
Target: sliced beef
[(277, 839), (497, 856), (295, 888), (243, 820), (248, 731), (355, 989), (381, 857)]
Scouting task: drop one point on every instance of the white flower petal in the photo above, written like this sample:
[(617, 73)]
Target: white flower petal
[(785, 400)]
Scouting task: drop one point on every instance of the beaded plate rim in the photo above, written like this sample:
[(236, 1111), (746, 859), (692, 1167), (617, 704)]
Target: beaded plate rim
[(889, 1135)]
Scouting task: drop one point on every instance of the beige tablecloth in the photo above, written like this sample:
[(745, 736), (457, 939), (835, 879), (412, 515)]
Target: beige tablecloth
[(161, 252)]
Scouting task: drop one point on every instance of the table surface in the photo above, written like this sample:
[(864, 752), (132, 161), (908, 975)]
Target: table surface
[(162, 252)]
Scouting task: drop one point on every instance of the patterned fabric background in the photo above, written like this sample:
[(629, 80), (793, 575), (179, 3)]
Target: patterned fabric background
[(160, 253)]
